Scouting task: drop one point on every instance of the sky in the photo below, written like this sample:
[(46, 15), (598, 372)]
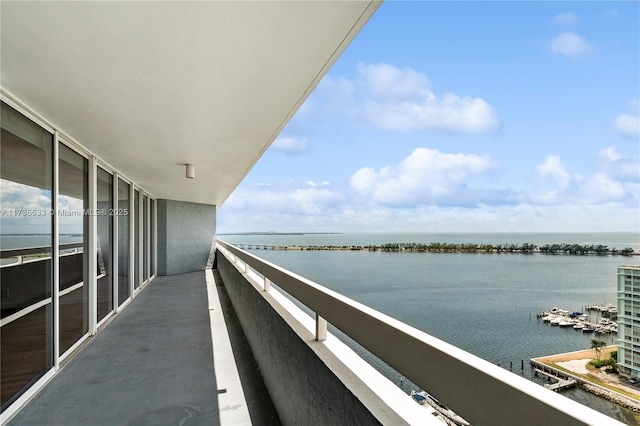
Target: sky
[(463, 117)]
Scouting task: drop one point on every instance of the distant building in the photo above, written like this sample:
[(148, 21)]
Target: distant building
[(629, 320)]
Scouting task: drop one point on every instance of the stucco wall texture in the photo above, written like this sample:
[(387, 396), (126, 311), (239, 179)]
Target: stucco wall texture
[(186, 235), (303, 389)]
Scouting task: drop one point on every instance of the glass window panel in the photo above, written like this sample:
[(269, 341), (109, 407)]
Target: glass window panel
[(136, 215), (123, 241), (26, 176), (26, 352), (153, 236), (104, 242), (145, 227), (73, 223)]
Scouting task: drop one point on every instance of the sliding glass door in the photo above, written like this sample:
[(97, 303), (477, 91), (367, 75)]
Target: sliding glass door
[(104, 242), (122, 213), (73, 222), (26, 226), (75, 239)]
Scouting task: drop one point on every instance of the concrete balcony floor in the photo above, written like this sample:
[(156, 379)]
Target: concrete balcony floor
[(155, 363)]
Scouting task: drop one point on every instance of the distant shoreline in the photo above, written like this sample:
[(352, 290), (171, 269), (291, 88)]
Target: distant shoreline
[(282, 233), (526, 248)]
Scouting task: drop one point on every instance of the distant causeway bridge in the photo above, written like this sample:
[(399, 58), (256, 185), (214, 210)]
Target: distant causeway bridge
[(246, 246)]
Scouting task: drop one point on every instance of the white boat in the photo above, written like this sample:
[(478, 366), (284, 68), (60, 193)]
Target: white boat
[(578, 326), (565, 323), (556, 321), (423, 398)]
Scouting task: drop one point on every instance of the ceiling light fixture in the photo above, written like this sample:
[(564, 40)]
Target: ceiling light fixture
[(191, 171)]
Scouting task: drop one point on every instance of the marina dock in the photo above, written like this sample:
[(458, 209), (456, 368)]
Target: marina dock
[(559, 385), (580, 321), (567, 378)]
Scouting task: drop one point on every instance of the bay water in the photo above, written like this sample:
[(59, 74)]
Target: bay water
[(484, 303)]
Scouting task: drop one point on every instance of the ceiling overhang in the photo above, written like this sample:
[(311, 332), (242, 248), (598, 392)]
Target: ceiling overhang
[(151, 86)]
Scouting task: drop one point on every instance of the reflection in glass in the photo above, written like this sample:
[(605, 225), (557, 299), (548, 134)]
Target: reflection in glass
[(103, 245), (136, 248), (145, 228), (73, 201), (123, 241), (26, 172)]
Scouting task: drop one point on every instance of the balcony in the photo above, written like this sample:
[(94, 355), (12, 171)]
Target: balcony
[(110, 126), (274, 363)]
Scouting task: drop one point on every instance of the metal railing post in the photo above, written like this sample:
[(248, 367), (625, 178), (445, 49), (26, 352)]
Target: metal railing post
[(321, 328)]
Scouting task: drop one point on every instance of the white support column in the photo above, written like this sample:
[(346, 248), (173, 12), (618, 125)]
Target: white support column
[(267, 284), (114, 248), (55, 258), (92, 244), (321, 328)]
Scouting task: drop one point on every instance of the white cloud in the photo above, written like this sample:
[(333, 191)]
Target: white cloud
[(616, 180), (570, 45), (286, 197), (565, 18), (610, 154), (289, 144), (622, 167), (554, 168), (387, 81), (437, 219), (628, 124), (17, 199), (432, 191), (448, 113), (427, 176), (401, 99), (363, 179), (601, 188), (287, 206)]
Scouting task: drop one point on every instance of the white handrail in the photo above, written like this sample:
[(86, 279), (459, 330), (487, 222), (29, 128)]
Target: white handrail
[(481, 392)]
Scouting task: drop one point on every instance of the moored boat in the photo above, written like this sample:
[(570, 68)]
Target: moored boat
[(423, 398)]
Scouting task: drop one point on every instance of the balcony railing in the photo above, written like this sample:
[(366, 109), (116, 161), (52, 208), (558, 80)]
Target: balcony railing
[(479, 391), (24, 286), (20, 254)]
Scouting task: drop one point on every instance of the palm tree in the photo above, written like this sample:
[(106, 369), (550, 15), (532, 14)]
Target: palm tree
[(598, 345)]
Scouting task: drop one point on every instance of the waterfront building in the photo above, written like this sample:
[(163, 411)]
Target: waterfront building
[(145, 116), (629, 320)]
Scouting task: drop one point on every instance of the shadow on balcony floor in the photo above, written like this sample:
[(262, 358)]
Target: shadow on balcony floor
[(151, 365)]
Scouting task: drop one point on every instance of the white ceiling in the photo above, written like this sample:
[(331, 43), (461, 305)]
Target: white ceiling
[(151, 86)]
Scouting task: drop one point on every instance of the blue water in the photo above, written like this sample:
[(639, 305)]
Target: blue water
[(39, 240), (8, 242), (483, 303)]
